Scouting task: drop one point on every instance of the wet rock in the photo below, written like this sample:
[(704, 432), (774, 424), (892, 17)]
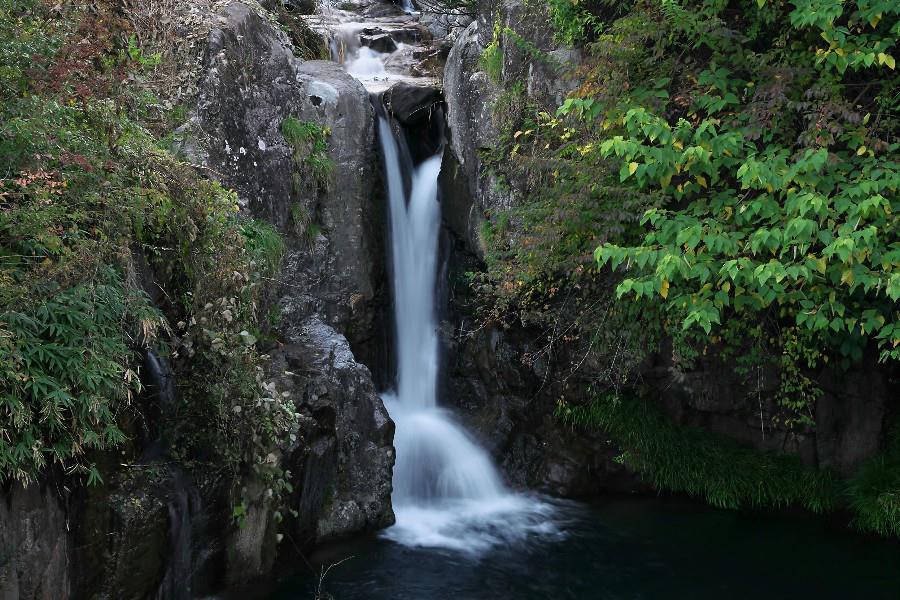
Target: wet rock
[(383, 42), (412, 104)]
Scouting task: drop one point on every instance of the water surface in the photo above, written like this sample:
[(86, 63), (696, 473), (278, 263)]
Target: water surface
[(626, 548)]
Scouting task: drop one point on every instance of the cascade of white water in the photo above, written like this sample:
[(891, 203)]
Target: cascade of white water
[(446, 491), (435, 459)]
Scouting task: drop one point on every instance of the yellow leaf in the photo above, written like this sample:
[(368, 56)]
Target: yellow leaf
[(889, 61), (632, 167), (861, 150), (664, 288), (847, 277), (820, 265), (875, 20), (701, 180), (678, 145), (666, 180)]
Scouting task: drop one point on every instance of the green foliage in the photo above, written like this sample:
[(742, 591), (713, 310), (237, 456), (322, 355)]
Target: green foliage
[(727, 172), (752, 221), (696, 462), (310, 143), (491, 60), (875, 496), (88, 201), (68, 370), (874, 491), (724, 176), (264, 244), (727, 475), (571, 21)]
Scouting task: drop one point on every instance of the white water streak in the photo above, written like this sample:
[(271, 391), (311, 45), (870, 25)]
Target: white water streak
[(446, 491)]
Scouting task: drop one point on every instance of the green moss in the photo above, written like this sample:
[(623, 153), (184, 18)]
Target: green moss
[(310, 143)]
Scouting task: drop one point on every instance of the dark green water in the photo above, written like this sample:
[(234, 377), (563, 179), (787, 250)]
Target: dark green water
[(627, 548)]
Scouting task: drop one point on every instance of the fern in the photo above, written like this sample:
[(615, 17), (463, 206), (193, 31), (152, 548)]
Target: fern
[(68, 371)]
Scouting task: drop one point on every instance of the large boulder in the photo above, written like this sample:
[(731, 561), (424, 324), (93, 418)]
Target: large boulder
[(412, 104), (344, 463)]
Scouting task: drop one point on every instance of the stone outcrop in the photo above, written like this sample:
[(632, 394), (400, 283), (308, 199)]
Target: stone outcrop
[(328, 293), (253, 84), (471, 93), (343, 468), (412, 105)]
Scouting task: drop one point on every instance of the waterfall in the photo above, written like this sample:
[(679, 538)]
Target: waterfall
[(446, 491)]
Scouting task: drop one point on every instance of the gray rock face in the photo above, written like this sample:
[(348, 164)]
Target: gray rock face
[(34, 544), (509, 403), (327, 294), (345, 460), (849, 416), (469, 94)]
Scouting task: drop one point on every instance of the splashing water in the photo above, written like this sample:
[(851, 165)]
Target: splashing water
[(367, 63), (446, 491)]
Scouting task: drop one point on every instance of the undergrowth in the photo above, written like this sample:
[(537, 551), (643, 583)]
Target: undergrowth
[(693, 461), (94, 215), (727, 475)]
